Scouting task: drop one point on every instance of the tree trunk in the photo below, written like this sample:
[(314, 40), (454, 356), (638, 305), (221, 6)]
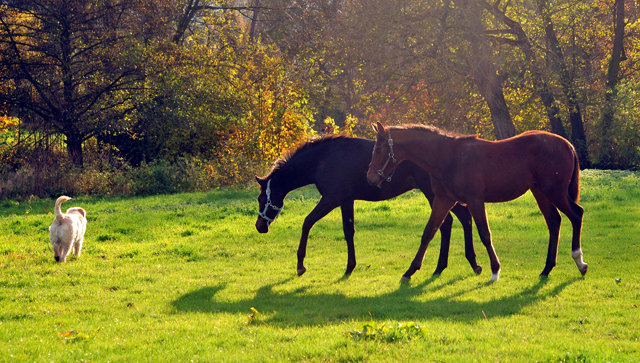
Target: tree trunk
[(548, 100), (185, 19), (606, 157), (555, 54), (74, 149), (492, 91), (254, 21), (484, 73)]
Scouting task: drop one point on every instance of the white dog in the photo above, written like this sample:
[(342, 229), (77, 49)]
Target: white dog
[(67, 230)]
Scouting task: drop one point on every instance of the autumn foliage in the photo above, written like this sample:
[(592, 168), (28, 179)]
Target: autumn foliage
[(131, 96)]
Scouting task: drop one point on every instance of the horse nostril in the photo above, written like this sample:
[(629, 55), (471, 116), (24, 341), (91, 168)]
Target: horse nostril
[(262, 227), (57, 258)]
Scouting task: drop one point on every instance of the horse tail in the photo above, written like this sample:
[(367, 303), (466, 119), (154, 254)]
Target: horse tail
[(57, 211), (574, 185)]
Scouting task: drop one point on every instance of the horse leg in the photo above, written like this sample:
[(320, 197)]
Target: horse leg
[(348, 226), (469, 252), (441, 208), (445, 228), (553, 219), (576, 244), (321, 209), (445, 242), (574, 212), (480, 217)]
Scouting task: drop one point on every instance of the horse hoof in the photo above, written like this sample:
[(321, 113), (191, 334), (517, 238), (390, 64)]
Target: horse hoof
[(405, 280), (478, 270), (495, 276), (301, 271), (584, 269)]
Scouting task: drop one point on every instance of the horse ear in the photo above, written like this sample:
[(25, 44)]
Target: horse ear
[(379, 128), (260, 180)]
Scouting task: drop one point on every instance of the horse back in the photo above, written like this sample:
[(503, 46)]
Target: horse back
[(504, 170), (342, 172)]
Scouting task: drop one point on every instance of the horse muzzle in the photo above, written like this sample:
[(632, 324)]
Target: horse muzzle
[(374, 180), (262, 226)]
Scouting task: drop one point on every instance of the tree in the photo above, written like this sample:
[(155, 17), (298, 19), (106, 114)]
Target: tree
[(67, 62), (216, 95), (483, 70), (606, 153), (559, 67), (399, 52), (514, 34)]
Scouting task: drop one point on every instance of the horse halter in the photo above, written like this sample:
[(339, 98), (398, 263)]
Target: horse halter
[(391, 157), (263, 214)]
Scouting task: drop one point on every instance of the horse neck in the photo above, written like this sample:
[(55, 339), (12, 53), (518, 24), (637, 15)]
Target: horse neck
[(292, 175), (422, 147)]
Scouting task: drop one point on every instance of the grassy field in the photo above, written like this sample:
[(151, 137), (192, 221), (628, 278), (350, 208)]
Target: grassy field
[(174, 278)]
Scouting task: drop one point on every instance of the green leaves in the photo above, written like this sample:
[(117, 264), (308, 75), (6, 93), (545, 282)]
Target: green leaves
[(398, 332)]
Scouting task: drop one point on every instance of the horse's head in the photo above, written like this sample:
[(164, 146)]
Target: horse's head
[(383, 161), (270, 203)]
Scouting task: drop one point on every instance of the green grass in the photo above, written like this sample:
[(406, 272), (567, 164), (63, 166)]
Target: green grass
[(174, 278)]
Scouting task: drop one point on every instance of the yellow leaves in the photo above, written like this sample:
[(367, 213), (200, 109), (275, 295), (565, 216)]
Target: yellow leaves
[(7, 122), (74, 336), (251, 317), (330, 126), (350, 124), (275, 113)]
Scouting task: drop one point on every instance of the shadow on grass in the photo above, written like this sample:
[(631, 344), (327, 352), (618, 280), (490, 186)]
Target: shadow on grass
[(300, 308)]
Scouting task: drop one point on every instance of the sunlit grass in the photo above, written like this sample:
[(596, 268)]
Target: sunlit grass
[(175, 278)]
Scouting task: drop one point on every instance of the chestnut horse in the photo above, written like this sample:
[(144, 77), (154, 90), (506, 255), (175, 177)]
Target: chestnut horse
[(337, 166), (471, 171)]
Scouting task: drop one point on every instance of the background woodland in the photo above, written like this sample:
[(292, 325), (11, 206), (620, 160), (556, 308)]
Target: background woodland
[(123, 97)]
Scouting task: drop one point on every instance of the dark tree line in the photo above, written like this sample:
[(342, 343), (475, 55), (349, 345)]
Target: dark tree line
[(170, 78)]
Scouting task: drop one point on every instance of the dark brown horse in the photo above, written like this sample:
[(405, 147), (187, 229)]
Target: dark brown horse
[(471, 171), (338, 166)]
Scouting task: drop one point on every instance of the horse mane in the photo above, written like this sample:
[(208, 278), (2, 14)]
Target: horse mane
[(436, 131), (299, 148)]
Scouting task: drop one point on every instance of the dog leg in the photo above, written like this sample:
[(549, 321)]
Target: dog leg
[(65, 251), (77, 248)]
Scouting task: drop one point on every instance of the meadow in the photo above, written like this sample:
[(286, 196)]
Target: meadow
[(187, 278)]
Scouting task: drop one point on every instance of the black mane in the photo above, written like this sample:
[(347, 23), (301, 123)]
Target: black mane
[(299, 148)]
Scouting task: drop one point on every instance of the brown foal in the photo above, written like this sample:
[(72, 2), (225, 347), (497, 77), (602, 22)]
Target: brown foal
[(470, 171)]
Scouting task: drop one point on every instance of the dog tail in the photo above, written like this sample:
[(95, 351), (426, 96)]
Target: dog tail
[(57, 211)]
